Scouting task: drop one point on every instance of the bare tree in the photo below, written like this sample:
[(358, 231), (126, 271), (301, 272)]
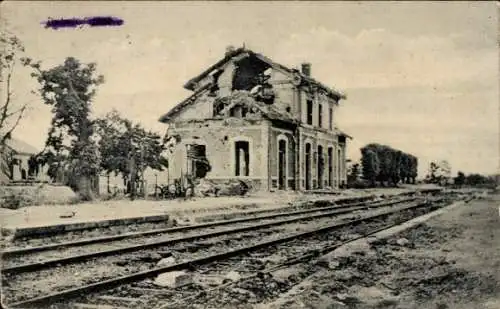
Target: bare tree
[(11, 54)]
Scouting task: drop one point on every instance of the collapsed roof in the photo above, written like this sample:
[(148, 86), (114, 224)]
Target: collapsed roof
[(191, 84)]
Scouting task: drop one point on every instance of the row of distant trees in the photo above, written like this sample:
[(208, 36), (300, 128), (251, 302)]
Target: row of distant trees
[(385, 165), (79, 144), (474, 179)]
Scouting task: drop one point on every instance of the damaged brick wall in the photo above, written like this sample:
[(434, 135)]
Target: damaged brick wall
[(285, 100), (219, 136), (202, 108)]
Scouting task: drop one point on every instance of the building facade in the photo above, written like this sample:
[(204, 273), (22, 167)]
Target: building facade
[(17, 163), (252, 119)]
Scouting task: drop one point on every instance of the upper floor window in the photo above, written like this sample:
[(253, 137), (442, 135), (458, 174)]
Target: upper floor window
[(330, 118), (320, 116), (238, 112), (309, 112)]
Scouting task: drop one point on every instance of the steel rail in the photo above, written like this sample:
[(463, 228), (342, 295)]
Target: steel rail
[(311, 254), (111, 283), (86, 256), (21, 251)]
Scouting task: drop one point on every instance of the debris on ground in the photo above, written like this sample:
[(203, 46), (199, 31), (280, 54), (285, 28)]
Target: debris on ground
[(166, 261), (67, 214), (173, 279), (449, 262), (233, 276)]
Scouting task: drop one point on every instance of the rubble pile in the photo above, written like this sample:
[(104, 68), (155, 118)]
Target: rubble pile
[(210, 188)]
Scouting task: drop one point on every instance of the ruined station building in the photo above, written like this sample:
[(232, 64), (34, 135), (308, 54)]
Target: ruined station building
[(252, 119)]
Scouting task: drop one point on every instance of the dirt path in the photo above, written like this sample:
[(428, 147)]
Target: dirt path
[(452, 261)]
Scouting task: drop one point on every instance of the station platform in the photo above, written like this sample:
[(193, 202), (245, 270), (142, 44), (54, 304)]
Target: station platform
[(55, 218)]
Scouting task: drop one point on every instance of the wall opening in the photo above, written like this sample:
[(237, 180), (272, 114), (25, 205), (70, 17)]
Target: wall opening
[(198, 165), (218, 107), (308, 166), (242, 158), (330, 167), (309, 112), (238, 111), (320, 116), (330, 118), (247, 69), (282, 164), (321, 166), (339, 166)]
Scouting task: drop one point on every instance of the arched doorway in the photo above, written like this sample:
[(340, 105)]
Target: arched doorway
[(320, 166), (282, 164), (308, 166)]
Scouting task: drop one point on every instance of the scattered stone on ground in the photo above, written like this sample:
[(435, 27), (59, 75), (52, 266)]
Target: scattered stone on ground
[(173, 279), (451, 261), (166, 261), (233, 276)]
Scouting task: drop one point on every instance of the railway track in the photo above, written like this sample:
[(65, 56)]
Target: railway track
[(222, 252), (81, 269), (61, 236), (35, 258)]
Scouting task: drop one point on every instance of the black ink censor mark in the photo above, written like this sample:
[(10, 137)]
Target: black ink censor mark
[(98, 21)]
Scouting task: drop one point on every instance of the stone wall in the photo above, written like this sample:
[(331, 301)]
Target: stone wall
[(202, 108), (219, 137)]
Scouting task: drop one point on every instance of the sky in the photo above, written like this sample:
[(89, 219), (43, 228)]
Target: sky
[(419, 76)]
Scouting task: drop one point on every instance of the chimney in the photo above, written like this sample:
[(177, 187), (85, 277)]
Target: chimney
[(306, 69), (229, 49)]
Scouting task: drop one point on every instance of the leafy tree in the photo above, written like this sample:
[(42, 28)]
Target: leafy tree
[(70, 88), (128, 149), (439, 172), (353, 174), (476, 179), (460, 179), (393, 165), (404, 167), (370, 165), (413, 169), (395, 168)]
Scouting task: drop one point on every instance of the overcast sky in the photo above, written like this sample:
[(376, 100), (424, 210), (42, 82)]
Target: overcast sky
[(420, 76)]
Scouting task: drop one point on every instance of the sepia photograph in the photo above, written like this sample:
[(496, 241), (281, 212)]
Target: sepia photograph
[(249, 154)]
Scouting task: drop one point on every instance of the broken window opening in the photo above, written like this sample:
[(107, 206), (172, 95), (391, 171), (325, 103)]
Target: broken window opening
[(238, 111), (309, 112), (218, 108), (242, 158), (247, 73), (197, 160)]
